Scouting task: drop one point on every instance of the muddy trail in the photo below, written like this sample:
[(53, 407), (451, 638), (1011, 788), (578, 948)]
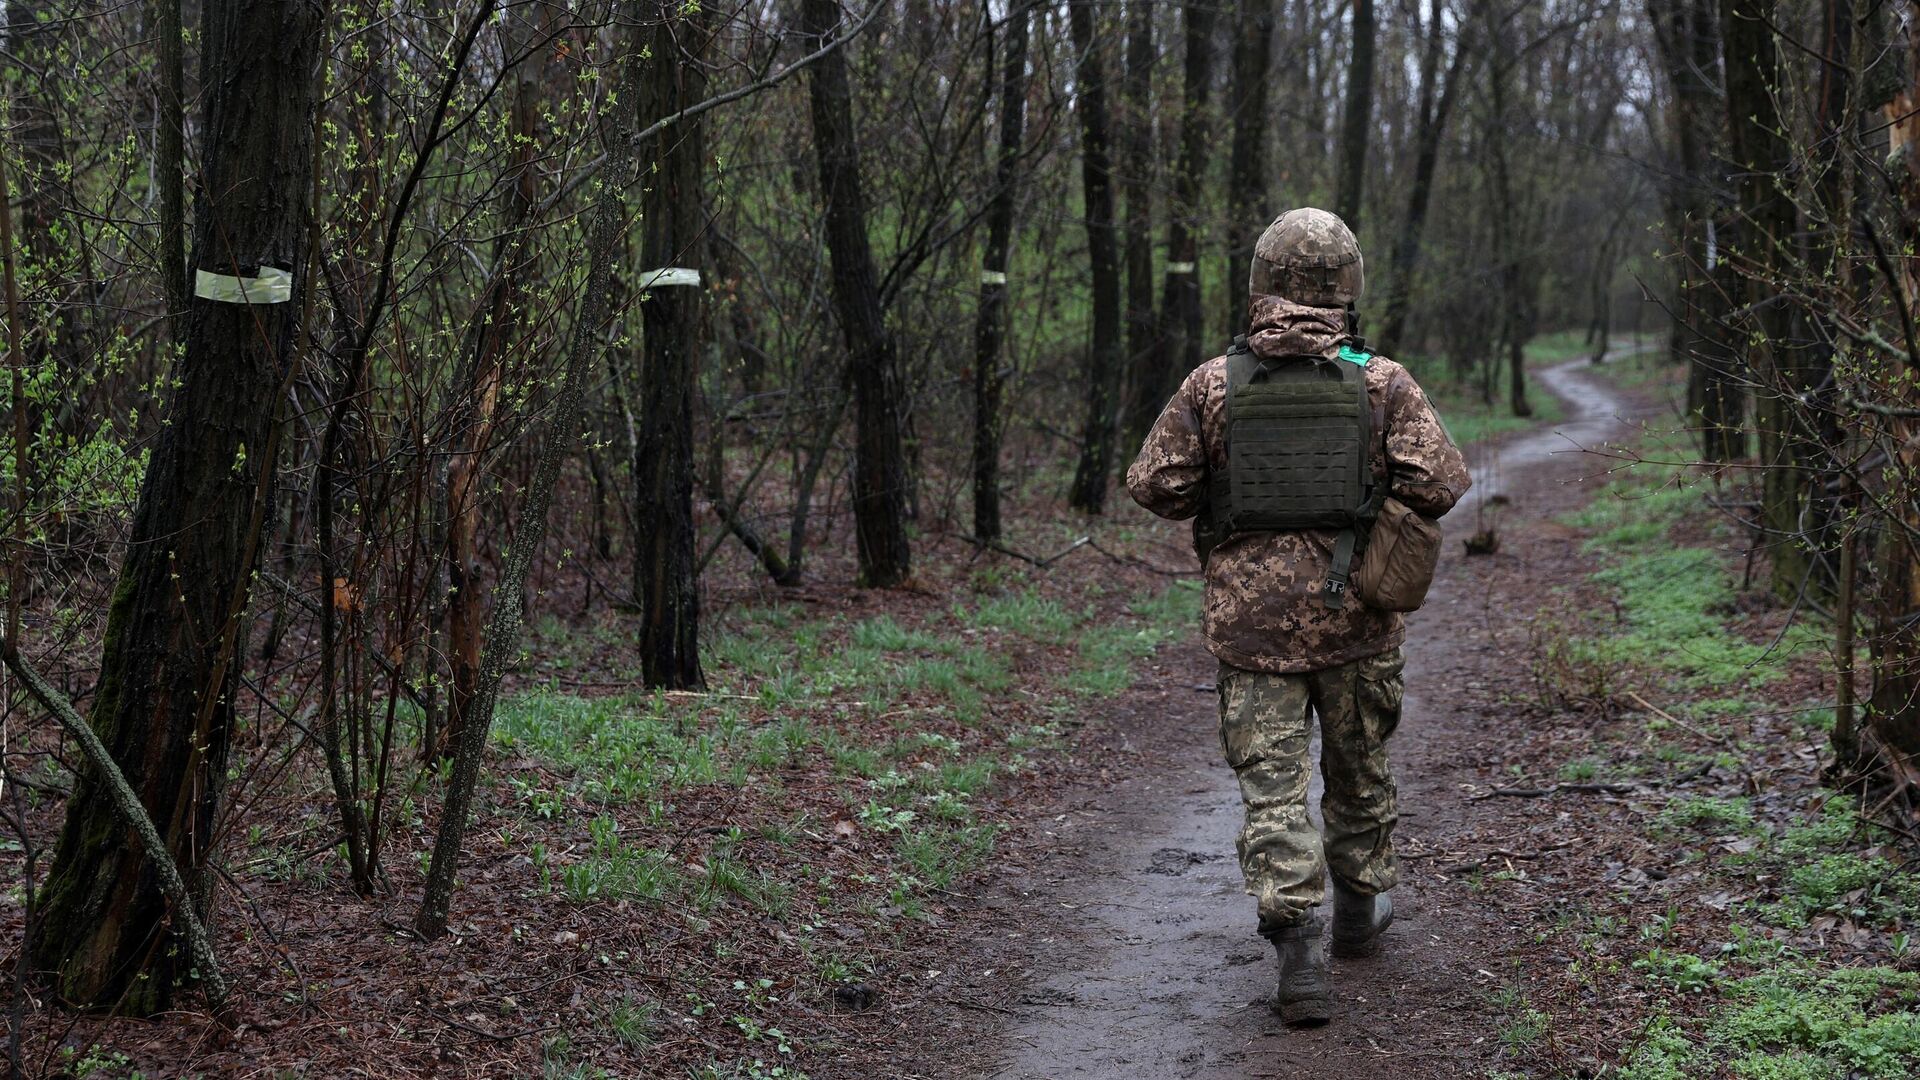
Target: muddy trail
[(1130, 940)]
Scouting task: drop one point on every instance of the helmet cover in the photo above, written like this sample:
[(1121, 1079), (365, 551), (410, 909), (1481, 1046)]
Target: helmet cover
[(1310, 257)]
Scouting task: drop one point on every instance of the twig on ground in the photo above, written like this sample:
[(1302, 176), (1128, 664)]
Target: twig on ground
[(1539, 792), (1717, 740), (1145, 565), (1034, 560)]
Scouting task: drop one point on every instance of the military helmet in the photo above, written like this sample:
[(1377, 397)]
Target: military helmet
[(1310, 257)]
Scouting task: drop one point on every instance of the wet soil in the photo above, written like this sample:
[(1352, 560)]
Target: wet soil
[(1127, 946)]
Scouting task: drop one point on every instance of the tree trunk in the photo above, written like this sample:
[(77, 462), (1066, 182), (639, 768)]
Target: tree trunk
[(1180, 313), (1797, 512), (1758, 156), (170, 154), (1146, 366), (1513, 313), (1249, 182), (496, 323), (879, 468), (1358, 121), (604, 244), (1100, 368), (170, 663), (1895, 644), (1435, 110), (666, 581), (991, 325), (1688, 42)]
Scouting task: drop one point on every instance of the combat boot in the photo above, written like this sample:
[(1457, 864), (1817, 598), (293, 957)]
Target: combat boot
[(1358, 920), (1301, 995)]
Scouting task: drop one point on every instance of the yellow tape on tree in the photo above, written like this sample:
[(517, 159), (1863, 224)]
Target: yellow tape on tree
[(271, 285)]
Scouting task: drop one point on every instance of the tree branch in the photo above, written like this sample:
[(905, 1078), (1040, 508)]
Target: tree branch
[(127, 801)]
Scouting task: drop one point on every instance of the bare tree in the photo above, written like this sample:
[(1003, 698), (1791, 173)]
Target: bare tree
[(1357, 120), (673, 216), (1249, 190), (1100, 369), (990, 327), (880, 467)]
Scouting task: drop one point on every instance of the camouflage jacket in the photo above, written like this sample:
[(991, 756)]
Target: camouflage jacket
[(1263, 607)]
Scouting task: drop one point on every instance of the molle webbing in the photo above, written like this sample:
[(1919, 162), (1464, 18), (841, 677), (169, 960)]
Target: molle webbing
[(1297, 441)]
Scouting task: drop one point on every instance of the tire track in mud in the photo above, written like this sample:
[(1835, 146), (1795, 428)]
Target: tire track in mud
[(1142, 955)]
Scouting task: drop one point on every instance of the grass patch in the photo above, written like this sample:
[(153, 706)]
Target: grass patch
[(1469, 419), (1794, 1021), (1670, 605), (841, 772), (1107, 651), (615, 870), (1706, 814), (1557, 346), (1026, 613)]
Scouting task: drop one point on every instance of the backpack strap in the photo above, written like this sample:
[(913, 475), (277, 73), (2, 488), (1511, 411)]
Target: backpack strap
[(1334, 589)]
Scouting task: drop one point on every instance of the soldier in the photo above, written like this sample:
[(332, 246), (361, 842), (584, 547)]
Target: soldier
[(1322, 431)]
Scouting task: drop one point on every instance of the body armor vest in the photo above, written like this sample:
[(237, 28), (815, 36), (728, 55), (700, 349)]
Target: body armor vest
[(1299, 432)]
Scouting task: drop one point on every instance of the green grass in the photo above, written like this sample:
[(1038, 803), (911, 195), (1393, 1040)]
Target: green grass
[(633, 1022), (1769, 1012), (615, 870), (1559, 345), (910, 772), (1669, 602), (1469, 419), (1107, 650), (1027, 614), (1793, 1021), (1706, 814)]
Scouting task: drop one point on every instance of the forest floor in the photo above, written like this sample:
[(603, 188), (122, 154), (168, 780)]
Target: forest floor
[(979, 827)]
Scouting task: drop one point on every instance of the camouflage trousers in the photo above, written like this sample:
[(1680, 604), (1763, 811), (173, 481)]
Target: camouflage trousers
[(1267, 736)]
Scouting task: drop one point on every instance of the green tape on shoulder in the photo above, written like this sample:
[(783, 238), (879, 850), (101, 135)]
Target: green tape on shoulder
[(1354, 356)]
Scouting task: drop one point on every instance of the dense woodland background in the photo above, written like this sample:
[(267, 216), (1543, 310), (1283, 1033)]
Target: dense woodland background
[(948, 260)]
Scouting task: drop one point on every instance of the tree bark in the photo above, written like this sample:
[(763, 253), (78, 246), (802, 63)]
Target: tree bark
[(1183, 347), (170, 154), (1895, 644), (1687, 41), (604, 244), (169, 667), (495, 324), (673, 220), (879, 469), (991, 323), (1761, 236), (1515, 292), (1435, 110), (1797, 512), (1146, 367), (1249, 183), (1358, 120), (1100, 368)]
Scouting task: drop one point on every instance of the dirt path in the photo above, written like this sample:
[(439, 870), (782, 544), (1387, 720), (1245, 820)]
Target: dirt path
[(1137, 938)]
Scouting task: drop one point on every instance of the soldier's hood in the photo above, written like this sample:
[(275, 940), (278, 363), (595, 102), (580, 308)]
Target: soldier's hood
[(1283, 328)]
